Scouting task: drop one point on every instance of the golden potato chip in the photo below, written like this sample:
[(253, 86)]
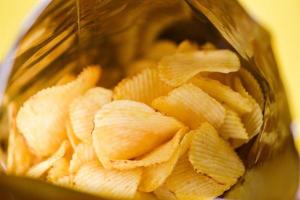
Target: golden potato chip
[(186, 46), (180, 67), (211, 155), (188, 184), (143, 87), (163, 193), (112, 184), (191, 105), (42, 117), (253, 121), (144, 196), (155, 175), (3, 161), (65, 181), (66, 79), (252, 86), (83, 110), (224, 94), (160, 49), (132, 131), (74, 141), (208, 46), (59, 169), (19, 157), (233, 127), (139, 65), (39, 169), (83, 153), (160, 154)]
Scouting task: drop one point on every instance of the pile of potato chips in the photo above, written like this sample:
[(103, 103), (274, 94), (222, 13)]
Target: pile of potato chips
[(168, 131)]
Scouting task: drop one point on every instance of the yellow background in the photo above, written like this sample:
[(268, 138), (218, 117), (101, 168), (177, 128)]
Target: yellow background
[(281, 17)]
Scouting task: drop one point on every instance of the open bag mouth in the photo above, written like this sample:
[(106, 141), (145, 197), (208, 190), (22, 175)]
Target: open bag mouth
[(64, 36)]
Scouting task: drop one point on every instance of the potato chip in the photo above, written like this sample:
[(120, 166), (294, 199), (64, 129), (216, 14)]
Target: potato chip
[(224, 94), (253, 121), (94, 179), (66, 79), (42, 117), (59, 169), (143, 87), (180, 67), (83, 110), (190, 104), (233, 127), (74, 141), (65, 181), (144, 196), (208, 46), (252, 85), (160, 49), (39, 169), (19, 157), (211, 155), (160, 154), (3, 160), (139, 65), (83, 153), (186, 46), (163, 193), (188, 184), (186, 143), (132, 131)]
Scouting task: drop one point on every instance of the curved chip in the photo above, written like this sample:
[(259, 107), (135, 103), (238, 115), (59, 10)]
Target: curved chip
[(186, 46), (252, 86), (59, 169), (233, 127), (66, 79), (19, 157), (83, 153), (94, 179), (65, 181), (42, 117), (83, 110), (39, 169), (180, 67), (163, 193), (74, 141), (224, 93), (139, 65), (132, 131), (191, 105), (188, 184), (211, 155), (253, 121), (143, 87), (160, 49), (144, 196)]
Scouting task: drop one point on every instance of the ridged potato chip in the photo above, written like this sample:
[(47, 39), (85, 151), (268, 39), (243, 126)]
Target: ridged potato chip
[(132, 131), (74, 141), (186, 46), (83, 153), (252, 86), (211, 155), (112, 184), (39, 169), (139, 66), (190, 104), (83, 110), (186, 183), (160, 49), (163, 193), (233, 127), (59, 169), (143, 87), (144, 196), (160, 154), (19, 157), (224, 94), (180, 67), (253, 121), (65, 181), (42, 117), (66, 79)]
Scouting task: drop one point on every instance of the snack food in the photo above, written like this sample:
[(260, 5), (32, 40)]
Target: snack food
[(168, 130)]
